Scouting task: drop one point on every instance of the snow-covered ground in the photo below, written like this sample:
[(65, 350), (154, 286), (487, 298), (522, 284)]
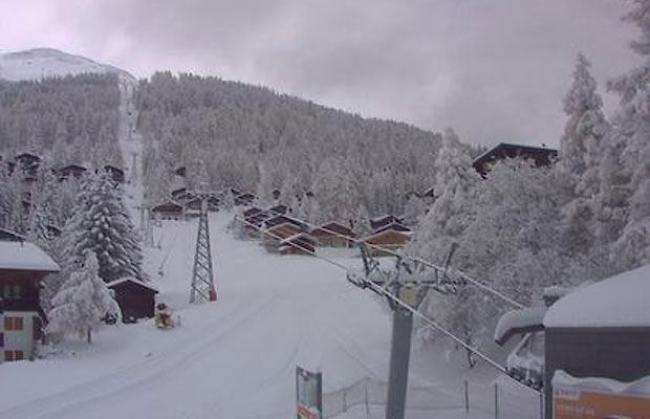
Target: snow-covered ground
[(234, 358)]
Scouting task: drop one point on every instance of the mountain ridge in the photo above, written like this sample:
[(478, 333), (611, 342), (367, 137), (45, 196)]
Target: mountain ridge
[(43, 62)]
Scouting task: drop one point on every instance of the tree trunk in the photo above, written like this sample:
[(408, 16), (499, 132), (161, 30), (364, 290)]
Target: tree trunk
[(89, 336)]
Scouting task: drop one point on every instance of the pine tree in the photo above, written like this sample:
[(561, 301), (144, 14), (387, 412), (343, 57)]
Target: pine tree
[(632, 130), (581, 144), (82, 302), (101, 223), (455, 204), (582, 149)]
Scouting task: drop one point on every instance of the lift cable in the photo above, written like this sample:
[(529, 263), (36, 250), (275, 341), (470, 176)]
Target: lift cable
[(431, 324)]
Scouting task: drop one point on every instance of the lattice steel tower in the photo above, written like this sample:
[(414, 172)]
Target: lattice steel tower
[(202, 277)]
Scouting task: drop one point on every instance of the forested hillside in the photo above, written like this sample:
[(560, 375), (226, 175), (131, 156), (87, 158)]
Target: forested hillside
[(256, 140), (73, 119)]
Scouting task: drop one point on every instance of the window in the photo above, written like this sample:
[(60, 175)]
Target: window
[(13, 323), (10, 292), (14, 356)]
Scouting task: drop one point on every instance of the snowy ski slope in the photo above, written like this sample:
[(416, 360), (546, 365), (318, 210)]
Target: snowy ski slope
[(235, 358)]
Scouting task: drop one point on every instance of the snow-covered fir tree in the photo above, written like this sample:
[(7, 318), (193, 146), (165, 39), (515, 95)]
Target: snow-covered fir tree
[(632, 130), (101, 224), (582, 149), (455, 204), (82, 302)]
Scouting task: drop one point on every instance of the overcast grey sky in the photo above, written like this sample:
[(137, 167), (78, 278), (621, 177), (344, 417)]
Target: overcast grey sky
[(495, 70)]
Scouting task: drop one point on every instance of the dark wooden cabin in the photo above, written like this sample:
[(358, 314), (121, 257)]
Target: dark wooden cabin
[(298, 244), (244, 199), (136, 299), (542, 156), (251, 212), (334, 234), (169, 210), (71, 171), (116, 174), (181, 171), (28, 163), (279, 209), (281, 219), (389, 239), (380, 222)]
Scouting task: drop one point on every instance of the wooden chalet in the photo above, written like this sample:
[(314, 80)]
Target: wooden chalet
[(244, 199), (334, 234), (272, 235), (137, 300), (253, 223), (23, 266), (71, 171), (176, 192), (378, 223), (279, 209), (213, 203), (27, 160), (53, 230), (391, 238), (281, 219), (541, 156), (298, 244), (168, 210), (395, 226), (115, 173), (250, 212), (278, 228), (193, 207), (181, 171)]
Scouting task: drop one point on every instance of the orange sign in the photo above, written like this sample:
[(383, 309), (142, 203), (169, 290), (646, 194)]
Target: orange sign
[(304, 413), (571, 403)]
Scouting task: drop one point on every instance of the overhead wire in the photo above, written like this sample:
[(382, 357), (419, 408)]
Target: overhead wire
[(430, 323), (424, 262)]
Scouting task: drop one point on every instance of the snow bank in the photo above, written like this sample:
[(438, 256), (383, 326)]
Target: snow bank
[(21, 255), (619, 301)]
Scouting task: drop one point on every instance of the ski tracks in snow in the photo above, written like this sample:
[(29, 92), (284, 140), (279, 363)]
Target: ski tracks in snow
[(150, 373)]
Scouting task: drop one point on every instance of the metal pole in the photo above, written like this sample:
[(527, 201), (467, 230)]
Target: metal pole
[(496, 401), (466, 397), (400, 353), (367, 407), (541, 406)]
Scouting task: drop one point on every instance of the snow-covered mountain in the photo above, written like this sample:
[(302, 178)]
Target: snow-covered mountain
[(35, 64)]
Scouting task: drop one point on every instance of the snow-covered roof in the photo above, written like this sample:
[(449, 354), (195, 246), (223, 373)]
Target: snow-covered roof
[(297, 236), (130, 279), (25, 256), (599, 384), (519, 321), (619, 301)]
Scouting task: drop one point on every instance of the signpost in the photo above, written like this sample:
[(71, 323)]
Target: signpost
[(309, 394)]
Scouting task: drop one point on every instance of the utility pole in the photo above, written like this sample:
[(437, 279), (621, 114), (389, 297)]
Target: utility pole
[(410, 282), (400, 348), (202, 288)]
